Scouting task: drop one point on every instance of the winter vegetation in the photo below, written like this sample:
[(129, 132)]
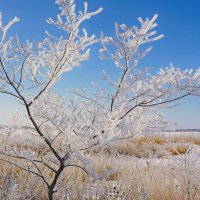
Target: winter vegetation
[(99, 146)]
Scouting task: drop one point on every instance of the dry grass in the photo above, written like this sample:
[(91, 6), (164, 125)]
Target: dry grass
[(153, 146), (137, 175), (133, 180)]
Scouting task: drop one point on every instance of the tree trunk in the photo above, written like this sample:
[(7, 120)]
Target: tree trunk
[(50, 195), (51, 187)]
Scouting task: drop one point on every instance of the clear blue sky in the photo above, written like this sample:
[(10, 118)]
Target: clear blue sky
[(179, 21)]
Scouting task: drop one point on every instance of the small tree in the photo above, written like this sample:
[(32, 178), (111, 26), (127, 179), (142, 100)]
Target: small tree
[(62, 131)]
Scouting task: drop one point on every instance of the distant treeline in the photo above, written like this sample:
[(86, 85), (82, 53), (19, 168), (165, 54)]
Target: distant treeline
[(182, 130)]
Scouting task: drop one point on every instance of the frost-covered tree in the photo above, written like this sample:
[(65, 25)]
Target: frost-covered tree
[(56, 133)]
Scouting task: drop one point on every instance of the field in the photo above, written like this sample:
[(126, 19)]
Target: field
[(153, 166)]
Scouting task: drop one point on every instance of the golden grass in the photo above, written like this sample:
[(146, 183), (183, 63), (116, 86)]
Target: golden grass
[(153, 146), (186, 139), (135, 177), (150, 139)]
